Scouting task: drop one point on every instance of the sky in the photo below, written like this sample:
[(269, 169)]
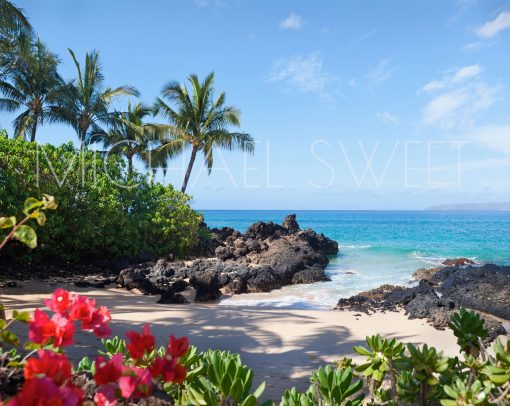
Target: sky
[(353, 104)]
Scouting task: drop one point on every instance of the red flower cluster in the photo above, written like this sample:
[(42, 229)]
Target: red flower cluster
[(48, 382), (48, 377), (115, 380), (60, 327)]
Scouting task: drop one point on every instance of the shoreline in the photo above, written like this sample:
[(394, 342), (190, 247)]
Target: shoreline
[(282, 346)]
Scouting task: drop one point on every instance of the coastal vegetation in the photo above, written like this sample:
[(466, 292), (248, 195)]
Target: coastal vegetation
[(104, 213), (135, 370)]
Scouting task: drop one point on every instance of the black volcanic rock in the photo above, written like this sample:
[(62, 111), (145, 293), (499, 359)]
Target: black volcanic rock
[(481, 288), (266, 257)]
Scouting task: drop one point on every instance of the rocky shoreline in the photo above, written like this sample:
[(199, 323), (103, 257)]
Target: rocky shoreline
[(267, 256), (442, 291)]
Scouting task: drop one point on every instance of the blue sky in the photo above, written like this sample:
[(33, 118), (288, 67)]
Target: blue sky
[(354, 104)]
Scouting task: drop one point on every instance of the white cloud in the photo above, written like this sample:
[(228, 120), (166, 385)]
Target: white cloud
[(475, 46), (458, 76), (457, 107), (495, 137), (388, 118), (492, 28), (302, 73), (293, 21), (380, 75)]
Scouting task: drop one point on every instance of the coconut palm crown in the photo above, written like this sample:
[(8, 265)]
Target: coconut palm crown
[(87, 105), (198, 121)]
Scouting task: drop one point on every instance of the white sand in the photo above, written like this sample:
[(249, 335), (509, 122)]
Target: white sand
[(282, 346)]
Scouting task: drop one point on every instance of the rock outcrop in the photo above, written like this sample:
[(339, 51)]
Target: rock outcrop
[(267, 256), (441, 292)]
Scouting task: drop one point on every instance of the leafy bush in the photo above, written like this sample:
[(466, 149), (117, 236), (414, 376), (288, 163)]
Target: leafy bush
[(102, 213), (130, 370)]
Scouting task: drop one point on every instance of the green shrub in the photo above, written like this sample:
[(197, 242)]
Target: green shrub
[(101, 213)]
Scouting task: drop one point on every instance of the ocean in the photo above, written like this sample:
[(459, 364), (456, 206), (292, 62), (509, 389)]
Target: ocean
[(376, 247)]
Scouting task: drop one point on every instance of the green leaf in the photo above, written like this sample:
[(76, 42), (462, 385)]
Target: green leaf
[(7, 222), (250, 401), (260, 390), (23, 317), (26, 235), (9, 337), (30, 204)]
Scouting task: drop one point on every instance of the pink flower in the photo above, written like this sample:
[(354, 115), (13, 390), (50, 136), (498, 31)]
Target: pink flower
[(82, 309), (105, 396), (168, 369), (108, 371), (178, 346), (64, 330), (60, 301), (40, 328), (135, 383), (99, 322), (71, 395), (51, 365), (37, 392), (140, 343)]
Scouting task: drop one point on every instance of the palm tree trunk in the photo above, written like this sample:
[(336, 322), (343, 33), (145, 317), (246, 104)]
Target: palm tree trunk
[(130, 166), (190, 167), (34, 128)]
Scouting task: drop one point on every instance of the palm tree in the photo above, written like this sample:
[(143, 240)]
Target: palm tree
[(15, 36), (129, 135), (199, 121), (35, 86), (87, 104)]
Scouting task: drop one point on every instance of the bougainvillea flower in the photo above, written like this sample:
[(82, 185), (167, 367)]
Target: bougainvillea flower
[(71, 395), (140, 343), (135, 383), (64, 330), (82, 308), (108, 371), (41, 328), (38, 392), (55, 367), (178, 346), (168, 369), (60, 301), (98, 322), (105, 396)]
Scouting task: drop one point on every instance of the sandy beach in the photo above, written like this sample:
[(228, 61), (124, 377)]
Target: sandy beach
[(282, 346)]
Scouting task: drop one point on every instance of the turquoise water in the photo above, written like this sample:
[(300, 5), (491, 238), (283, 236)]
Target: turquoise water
[(378, 247)]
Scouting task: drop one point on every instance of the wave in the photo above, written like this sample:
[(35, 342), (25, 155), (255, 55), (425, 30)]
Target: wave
[(355, 247)]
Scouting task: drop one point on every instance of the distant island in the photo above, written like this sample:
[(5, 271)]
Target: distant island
[(501, 206)]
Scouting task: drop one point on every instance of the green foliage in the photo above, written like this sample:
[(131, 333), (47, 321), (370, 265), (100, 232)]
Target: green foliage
[(469, 328), (462, 393), (86, 365), (336, 387), (32, 209), (424, 366), (215, 377), (102, 213), (381, 353), (294, 398), (112, 346)]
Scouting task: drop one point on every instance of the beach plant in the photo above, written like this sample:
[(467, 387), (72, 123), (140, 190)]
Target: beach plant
[(381, 356), (469, 328), (48, 373), (32, 209), (424, 367), (336, 386), (292, 397), (219, 377), (198, 120), (102, 213)]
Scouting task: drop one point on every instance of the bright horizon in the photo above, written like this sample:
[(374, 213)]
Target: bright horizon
[(419, 90)]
